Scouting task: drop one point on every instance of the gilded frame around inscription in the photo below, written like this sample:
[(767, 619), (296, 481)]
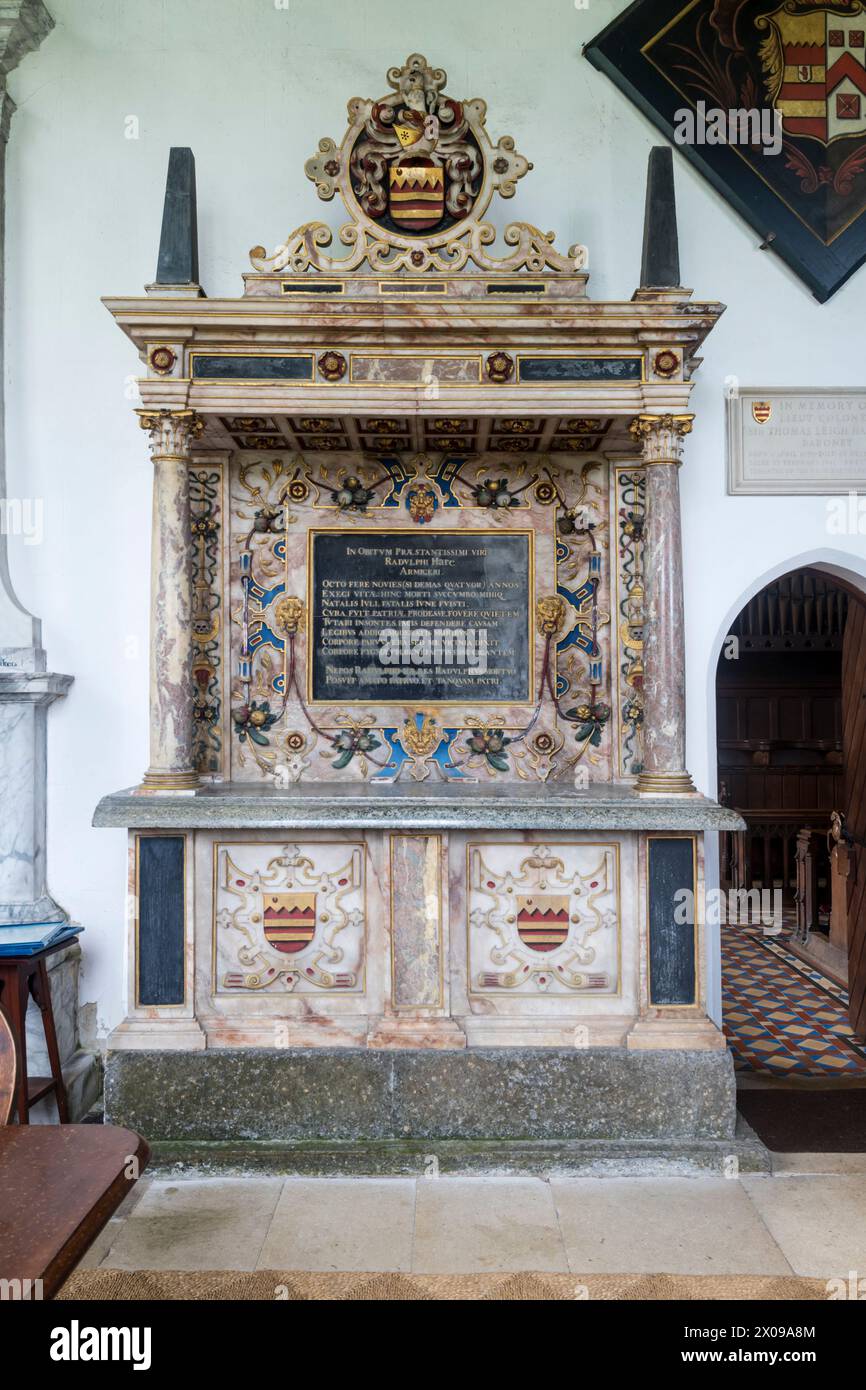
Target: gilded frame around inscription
[(429, 705)]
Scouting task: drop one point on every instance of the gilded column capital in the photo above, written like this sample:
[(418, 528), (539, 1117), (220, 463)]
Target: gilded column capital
[(661, 436), (171, 432)]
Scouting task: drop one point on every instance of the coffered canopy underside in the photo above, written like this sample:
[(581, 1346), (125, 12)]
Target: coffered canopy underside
[(392, 433)]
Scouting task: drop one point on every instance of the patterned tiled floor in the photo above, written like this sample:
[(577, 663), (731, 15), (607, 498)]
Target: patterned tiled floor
[(781, 1016)]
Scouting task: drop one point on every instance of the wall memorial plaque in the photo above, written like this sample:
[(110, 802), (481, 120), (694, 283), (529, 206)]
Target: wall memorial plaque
[(783, 440), (399, 617)]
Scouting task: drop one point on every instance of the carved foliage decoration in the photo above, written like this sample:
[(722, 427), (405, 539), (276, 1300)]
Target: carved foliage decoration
[(206, 521), (630, 498)]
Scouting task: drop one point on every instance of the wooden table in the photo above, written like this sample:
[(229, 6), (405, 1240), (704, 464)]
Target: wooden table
[(59, 1186), (23, 977)]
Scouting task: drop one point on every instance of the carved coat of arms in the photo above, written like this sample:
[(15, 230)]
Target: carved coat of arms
[(417, 170), (417, 163), (289, 921), (542, 920), (304, 902)]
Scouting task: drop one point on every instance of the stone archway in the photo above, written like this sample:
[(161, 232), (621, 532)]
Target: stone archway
[(779, 730)]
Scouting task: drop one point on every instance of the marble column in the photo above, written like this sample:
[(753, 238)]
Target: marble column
[(172, 434), (664, 768), (24, 700)]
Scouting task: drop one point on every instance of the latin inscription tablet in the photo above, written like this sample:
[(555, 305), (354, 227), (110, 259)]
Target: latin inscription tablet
[(435, 616)]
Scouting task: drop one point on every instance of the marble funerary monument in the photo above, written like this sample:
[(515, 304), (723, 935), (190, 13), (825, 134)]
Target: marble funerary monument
[(404, 862)]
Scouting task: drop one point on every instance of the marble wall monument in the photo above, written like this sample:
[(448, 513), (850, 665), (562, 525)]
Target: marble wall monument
[(417, 777)]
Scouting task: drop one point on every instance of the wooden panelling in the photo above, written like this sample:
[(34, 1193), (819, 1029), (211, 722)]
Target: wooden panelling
[(854, 737)]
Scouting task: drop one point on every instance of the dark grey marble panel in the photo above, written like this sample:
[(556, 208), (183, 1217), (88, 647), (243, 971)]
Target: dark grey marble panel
[(251, 367), (160, 919), (671, 941), (558, 369)]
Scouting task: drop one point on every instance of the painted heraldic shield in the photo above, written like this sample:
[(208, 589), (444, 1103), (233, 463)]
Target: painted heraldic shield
[(800, 62), (289, 921), (542, 920)]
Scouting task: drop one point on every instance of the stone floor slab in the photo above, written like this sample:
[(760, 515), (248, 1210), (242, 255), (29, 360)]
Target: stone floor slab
[(472, 1225), (345, 1224), (663, 1226), (210, 1224), (819, 1222)]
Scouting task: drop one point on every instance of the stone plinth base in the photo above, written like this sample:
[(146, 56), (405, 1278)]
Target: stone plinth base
[(349, 1095), (414, 1158)]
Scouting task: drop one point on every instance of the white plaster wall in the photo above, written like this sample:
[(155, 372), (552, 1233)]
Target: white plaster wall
[(250, 85)]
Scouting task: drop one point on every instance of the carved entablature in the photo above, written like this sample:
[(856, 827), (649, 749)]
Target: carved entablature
[(417, 171)]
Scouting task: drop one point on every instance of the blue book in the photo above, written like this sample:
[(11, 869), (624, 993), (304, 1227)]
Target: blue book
[(26, 940)]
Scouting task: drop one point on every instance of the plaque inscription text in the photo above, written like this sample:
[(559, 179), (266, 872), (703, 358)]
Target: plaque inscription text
[(786, 441), (400, 616)]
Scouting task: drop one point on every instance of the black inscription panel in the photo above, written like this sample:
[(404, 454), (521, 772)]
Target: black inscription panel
[(405, 616)]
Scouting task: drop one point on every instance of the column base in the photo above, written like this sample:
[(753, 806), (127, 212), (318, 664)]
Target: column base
[(157, 781), (157, 1035), (665, 783), (43, 909), (686, 1035)]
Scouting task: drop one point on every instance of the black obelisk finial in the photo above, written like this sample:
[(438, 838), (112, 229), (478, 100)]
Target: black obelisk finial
[(660, 262), (178, 242)]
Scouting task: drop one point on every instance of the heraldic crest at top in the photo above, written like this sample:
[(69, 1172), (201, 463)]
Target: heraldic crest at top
[(417, 170)]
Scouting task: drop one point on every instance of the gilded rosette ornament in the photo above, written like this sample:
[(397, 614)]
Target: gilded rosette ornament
[(417, 171)]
